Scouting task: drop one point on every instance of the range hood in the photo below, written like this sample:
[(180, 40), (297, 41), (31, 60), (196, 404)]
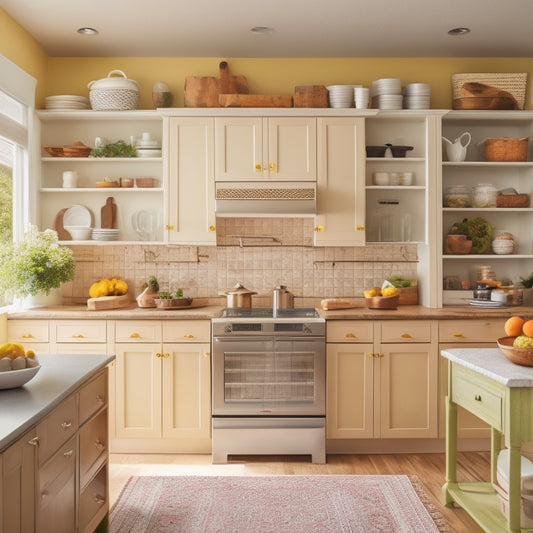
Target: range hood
[(251, 199)]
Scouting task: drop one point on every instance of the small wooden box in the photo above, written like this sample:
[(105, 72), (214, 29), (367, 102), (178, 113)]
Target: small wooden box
[(310, 96), (409, 296)]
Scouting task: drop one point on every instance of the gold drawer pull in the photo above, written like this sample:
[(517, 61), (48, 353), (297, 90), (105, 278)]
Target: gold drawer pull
[(458, 334), (66, 425), (34, 441), (99, 499), (169, 226), (477, 397), (135, 335), (189, 336), (28, 336), (78, 336), (68, 454), (406, 336), (351, 336)]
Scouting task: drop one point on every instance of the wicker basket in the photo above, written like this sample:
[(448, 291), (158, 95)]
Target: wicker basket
[(512, 82), (505, 149), (512, 200), (114, 93)]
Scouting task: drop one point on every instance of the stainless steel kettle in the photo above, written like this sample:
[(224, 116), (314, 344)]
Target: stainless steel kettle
[(282, 298)]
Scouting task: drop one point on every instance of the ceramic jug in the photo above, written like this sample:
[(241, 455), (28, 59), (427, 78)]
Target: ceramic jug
[(456, 150)]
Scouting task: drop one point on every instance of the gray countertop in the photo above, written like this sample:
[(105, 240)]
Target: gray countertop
[(59, 376), (491, 362)]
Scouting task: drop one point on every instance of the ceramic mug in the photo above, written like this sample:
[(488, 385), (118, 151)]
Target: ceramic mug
[(70, 179)]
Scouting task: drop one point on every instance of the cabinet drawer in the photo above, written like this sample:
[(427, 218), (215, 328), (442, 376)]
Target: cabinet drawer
[(80, 331), (471, 330), (405, 331), (186, 331), (92, 397), (25, 331), (60, 425), (93, 446), (138, 331), (62, 463), (93, 501), (478, 395), (350, 331)]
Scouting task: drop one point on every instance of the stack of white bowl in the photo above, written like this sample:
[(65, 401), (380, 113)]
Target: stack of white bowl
[(341, 95), (386, 93), (147, 146), (417, 96)]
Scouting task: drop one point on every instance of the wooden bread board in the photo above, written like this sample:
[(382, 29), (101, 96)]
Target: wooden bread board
[(330, 304), (108, 302), (254, 100), (484, 103), (310, 96)]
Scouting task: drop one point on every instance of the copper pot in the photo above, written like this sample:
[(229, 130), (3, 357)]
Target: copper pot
[(239, 296)]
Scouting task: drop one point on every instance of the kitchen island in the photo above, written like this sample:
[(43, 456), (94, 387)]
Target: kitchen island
[(54, 447), (499, 392)]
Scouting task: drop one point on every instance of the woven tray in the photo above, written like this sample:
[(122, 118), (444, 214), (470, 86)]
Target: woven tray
[(512, 200), (513, 83)]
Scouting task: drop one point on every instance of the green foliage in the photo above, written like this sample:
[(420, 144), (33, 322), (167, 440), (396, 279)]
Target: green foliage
[(118, 149), (527, 282), (399, 282), (478, 230), (6, 206), (35, 265)]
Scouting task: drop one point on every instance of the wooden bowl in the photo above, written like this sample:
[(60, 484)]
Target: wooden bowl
[(383, 302), (54, 151), (519, 356), (172, 303)]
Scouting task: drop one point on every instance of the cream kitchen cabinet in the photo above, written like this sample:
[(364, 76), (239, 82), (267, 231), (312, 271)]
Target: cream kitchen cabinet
[(32, 334), (190, 180), (340, 219), (162, 386), (79, 336), (461, 334), (58, 128), (265, 148), (382, 379), (17, 489), (502, 175)]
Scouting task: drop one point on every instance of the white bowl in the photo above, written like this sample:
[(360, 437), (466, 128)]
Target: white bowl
[(12, 379), (148, 152), (79, 233), (381, 178), (502, 246)]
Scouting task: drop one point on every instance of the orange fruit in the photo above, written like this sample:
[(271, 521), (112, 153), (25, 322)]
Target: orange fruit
[(527, 328), (513, 326)]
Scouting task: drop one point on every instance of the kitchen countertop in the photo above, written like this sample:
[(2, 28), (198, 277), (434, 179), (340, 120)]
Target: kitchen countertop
[(491, 363), (59, 376), (403, 312)]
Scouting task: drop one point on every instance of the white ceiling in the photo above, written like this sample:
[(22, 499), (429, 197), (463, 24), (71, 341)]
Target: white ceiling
[(301, 28)]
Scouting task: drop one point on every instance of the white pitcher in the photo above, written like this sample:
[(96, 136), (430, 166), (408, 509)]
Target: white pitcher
[(456, 150)]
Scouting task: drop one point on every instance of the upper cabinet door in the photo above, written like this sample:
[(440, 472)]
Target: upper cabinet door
[(258, 149), (239, 148)]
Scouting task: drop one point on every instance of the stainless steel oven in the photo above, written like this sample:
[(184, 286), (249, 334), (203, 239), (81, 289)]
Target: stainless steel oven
[(268, 383)]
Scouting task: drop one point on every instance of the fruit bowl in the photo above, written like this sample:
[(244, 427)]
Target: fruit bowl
[(519, 356), (383, 302), (11, 379)]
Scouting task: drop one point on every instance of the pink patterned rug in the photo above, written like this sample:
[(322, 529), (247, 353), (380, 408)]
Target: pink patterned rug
[(274, 504)]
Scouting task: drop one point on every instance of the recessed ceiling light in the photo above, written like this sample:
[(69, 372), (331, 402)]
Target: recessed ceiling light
[(458, 31), (261, 29), (87, 31)]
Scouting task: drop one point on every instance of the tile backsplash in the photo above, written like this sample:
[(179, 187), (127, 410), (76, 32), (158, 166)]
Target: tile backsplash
[(205, 271)]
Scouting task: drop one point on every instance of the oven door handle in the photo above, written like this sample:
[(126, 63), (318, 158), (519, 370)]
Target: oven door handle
[(241, 338)]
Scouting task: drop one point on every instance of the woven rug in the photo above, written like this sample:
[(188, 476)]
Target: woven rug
[(274, 504)]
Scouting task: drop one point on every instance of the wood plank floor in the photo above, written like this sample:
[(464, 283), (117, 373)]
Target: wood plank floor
[(430, 469)]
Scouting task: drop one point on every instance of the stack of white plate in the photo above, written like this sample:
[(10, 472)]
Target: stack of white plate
[(341, 95), (386, 93), (66, 102), (417, 96), (104, 234)]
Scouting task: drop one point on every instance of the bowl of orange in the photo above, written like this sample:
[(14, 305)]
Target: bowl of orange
[(517, 346)]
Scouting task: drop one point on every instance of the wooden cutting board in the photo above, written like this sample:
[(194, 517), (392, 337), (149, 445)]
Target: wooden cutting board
[(203, 91), (255, 100), (310, 96), (484, 103), (62, 233), (108, 302), (108, 214)]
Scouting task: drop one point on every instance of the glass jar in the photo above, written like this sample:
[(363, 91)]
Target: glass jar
[(484, 195), (391, 222), (457, 196)]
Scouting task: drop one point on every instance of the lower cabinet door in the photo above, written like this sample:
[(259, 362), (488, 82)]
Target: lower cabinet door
[(56, 508), (93, 500)]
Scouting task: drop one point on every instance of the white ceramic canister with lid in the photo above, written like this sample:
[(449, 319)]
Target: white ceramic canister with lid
[(484, 195)]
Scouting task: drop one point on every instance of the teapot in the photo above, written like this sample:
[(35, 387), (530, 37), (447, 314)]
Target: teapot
[(456, 150)]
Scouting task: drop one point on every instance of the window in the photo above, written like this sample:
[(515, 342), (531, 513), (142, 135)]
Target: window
[(17, 94)]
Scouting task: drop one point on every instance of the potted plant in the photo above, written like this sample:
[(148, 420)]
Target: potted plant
[(171, 300), (35, 266)]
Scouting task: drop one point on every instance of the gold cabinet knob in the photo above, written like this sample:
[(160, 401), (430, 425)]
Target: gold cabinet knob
[(370, 355), (212, 229), (169, 226), (406, 336), (158, 354), (458, 334), (189, 336), (360, 228), (272, 167), (319, 229), (351, 336), (259, 167), (166, 355), (207, 354)]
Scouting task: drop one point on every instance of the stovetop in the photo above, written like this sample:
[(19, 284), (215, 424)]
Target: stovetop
[(268, 312)]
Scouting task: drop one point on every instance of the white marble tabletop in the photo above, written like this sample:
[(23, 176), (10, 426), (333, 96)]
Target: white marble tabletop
[(58, 377), (491, 362)]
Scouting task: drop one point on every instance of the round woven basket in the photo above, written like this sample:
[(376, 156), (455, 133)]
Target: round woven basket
[(113, 99), (506, 149)]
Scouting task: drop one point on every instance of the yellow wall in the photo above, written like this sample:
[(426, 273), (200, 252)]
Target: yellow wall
[(276, 76), (17, 45)]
